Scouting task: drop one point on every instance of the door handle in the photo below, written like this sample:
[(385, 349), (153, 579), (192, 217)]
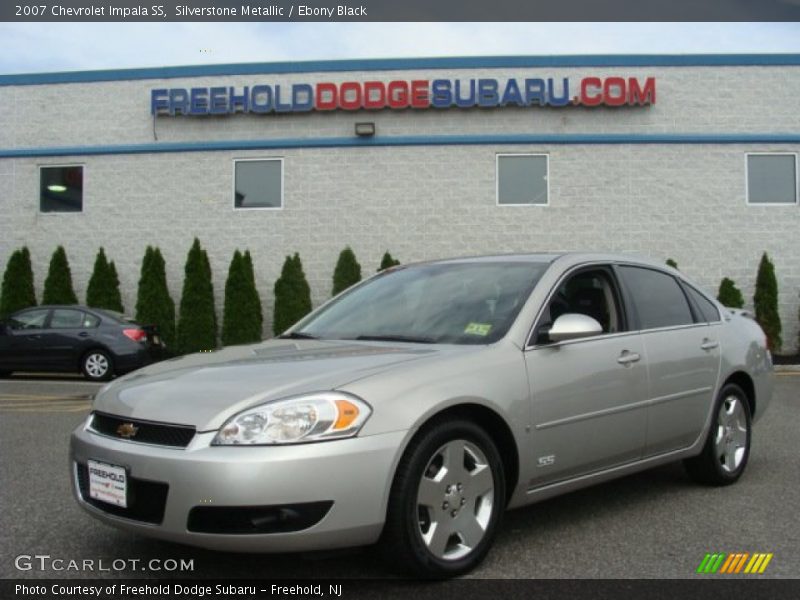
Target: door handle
[(83, 334), (627, 358), (34, 337), (708, 344)]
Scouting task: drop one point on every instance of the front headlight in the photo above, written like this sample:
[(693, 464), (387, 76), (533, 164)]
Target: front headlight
[(307, 418)]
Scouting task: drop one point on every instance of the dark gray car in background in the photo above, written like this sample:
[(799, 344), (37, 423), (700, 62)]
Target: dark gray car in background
[(76, 339), (415, 407)]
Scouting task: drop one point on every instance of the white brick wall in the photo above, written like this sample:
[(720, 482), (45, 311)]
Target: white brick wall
[(681, 201)]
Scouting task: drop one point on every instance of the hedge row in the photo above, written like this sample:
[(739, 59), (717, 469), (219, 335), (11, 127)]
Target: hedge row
[(242, 320), (196, 328)]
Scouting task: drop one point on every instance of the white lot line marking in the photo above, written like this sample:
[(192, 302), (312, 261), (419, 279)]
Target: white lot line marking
[(42, 403), (13, 381), (44, 397), (40, 396), (787, 374), (34, 401), (51, 409)]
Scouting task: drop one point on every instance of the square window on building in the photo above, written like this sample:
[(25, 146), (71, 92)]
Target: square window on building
[(258, 183), (61, 189), (522, 179), (771, 178)]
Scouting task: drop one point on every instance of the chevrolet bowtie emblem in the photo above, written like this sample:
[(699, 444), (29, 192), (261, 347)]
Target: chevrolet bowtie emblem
[(127, 430)]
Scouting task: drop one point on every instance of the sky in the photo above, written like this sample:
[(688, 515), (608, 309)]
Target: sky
[(44, 47)]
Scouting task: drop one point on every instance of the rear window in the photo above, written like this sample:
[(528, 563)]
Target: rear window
[(708, 311), (116, 316), (657, 297)]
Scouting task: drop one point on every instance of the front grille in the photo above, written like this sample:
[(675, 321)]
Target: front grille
[(256, 519), (143, 432), (146, 499)]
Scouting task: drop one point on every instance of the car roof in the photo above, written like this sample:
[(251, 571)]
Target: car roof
[(564, 258)]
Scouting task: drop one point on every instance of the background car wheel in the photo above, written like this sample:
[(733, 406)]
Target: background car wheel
[(97, 366), (446, 502), (727, 448)]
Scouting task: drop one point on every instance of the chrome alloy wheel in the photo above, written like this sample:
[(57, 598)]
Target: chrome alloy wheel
[(730, 440), (455, 500), (96, 365)]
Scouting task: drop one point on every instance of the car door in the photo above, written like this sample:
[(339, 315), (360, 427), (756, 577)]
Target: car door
[(588, 395), (683, 357), (68, 332), (21, 341)]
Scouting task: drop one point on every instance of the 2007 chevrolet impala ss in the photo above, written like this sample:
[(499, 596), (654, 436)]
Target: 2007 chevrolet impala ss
[(414, 408)]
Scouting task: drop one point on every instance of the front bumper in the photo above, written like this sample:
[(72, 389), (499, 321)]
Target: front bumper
[(354, 474)]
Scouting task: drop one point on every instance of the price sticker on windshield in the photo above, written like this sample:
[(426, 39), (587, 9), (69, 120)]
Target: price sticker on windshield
[(478, 329)]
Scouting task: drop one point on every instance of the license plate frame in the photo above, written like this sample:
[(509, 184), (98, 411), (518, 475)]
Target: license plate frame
[(108, 483)]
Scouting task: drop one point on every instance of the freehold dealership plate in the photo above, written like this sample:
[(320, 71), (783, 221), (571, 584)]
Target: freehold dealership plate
[(108, 483)]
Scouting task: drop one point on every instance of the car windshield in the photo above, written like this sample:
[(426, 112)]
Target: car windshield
[(451, 303)]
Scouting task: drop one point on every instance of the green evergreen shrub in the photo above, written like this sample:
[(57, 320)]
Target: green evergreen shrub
[(17, 291), (765, 302), (729, 295), (255, 299), (241, 320), (292, 295), (347, 271), (103, 288), (388, 261), (115, 298), (197, 321), (154, 305), (58, 284), (672, 263)]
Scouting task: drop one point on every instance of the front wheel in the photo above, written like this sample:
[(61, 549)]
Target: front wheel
[(96, 366), (447, 500), (727, 447)]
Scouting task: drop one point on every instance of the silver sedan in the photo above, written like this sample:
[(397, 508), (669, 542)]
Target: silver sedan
[(417, 406)]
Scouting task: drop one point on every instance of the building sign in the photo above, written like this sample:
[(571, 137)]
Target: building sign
[(402, 94)]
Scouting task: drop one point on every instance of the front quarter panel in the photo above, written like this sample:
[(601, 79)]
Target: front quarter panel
[(404, 399)]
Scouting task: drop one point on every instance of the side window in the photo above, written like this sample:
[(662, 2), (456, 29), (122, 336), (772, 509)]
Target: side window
[(258, 183), (591, 293), (657, 297), (61, 189), (33, 319), (65, 318), (708, 311)]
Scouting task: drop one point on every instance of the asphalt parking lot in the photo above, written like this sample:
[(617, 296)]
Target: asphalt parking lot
[(656, 524)]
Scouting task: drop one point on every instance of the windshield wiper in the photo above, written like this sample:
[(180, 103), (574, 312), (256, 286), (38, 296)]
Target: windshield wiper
[(297, 335), (397, 338)]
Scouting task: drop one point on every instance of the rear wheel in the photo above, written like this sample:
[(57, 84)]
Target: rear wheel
[(727, 447), (447, 500), (96, 365)]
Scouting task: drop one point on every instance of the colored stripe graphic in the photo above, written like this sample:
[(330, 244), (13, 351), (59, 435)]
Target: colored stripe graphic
[(723, 563)]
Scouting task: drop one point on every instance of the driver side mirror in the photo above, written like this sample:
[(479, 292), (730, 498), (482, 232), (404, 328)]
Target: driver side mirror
[(573, 326)]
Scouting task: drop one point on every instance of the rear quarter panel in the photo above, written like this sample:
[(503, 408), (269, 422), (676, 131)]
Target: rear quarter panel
[(744, 349)]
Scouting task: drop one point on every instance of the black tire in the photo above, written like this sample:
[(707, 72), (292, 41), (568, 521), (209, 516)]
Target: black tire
[(466, 504), (92, 362), (727, 448), (5, 374)]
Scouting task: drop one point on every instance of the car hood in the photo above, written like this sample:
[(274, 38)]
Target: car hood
[(204, 390)]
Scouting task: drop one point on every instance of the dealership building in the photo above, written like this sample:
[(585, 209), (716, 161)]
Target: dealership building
[(690, 157)]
